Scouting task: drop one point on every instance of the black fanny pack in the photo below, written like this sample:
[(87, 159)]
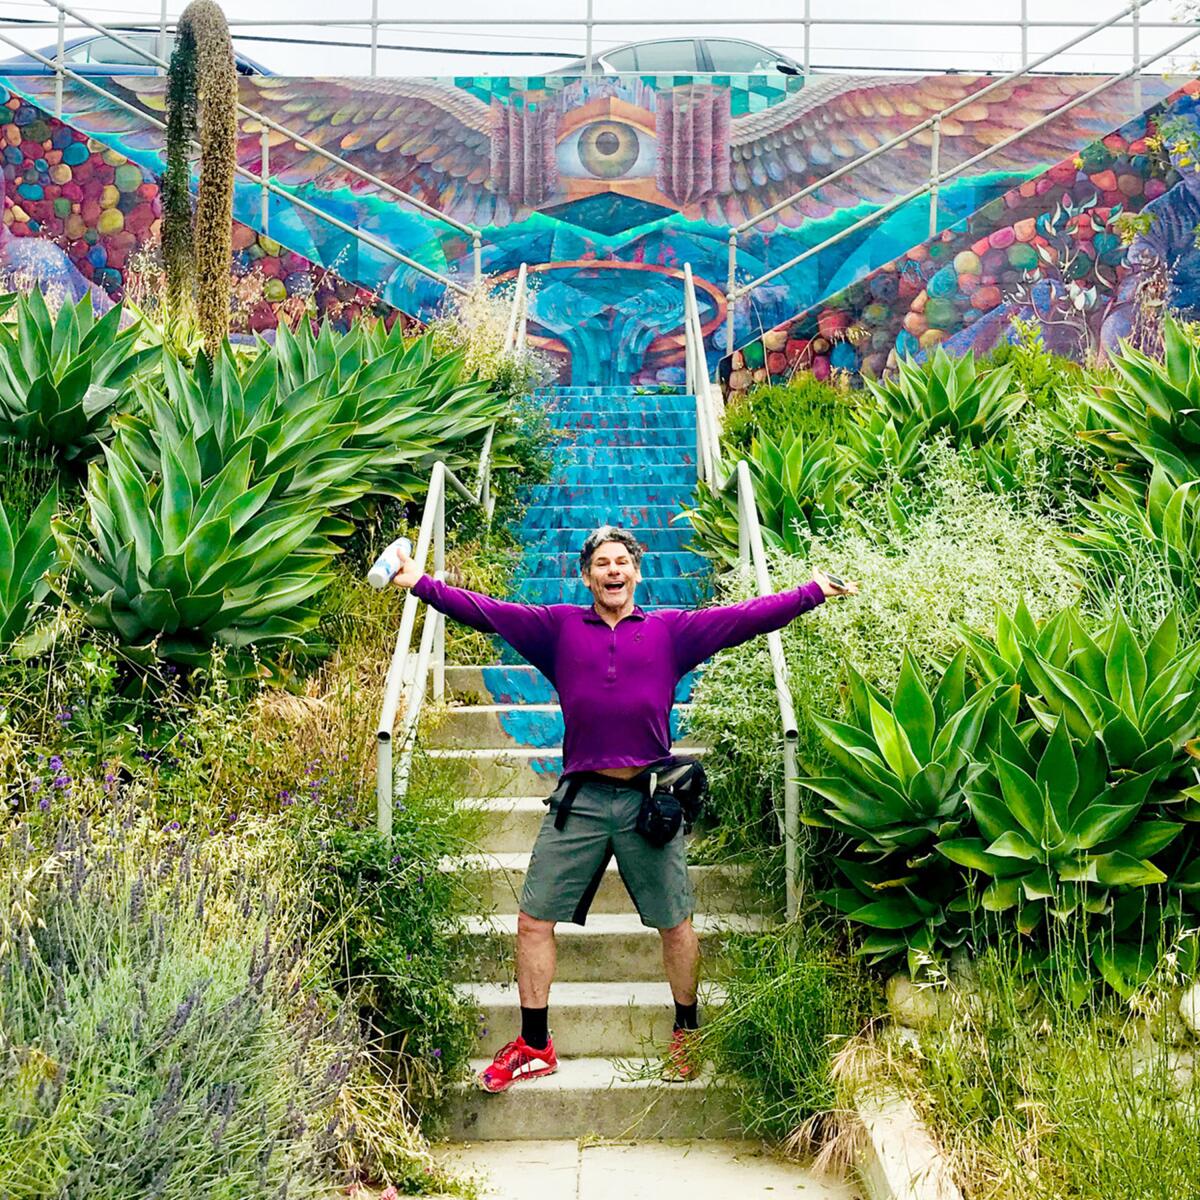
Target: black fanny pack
[(672, 795)]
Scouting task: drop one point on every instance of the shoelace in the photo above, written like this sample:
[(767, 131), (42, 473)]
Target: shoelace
[(509, 1056)]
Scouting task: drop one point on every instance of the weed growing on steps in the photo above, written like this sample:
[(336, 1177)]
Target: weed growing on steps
[(1037, 1094), (794, 999)]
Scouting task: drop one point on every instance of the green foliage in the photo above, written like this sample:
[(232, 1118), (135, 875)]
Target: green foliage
[(60, 376), (26, 555), (179, 560), (792, 1000), (1140, 696), (1057, 834), (884, 449), (801, 489), (803, 406), (949, 395), (156, 1041), (1148, 416)]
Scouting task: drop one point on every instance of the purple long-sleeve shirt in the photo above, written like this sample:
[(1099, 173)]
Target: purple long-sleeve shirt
[(617, 684)]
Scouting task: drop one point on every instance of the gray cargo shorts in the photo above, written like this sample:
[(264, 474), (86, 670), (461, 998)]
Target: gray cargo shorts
[(568, 864)]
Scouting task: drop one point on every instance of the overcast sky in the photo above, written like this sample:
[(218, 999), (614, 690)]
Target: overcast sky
[(524, 50)]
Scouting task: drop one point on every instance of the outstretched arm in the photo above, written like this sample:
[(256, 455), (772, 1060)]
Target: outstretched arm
[(700, 633), (530, 629)]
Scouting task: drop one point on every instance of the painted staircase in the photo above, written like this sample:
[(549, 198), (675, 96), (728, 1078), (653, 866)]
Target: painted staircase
[(626, 459)]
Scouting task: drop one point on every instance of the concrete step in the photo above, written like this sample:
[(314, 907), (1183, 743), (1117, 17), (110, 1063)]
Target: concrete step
[(589, 516), (627, 417), (603, 1019), (495, 725), (589, 454), (591, 1096), (514, 771), (624, 474), (673, 539), (566, 565), (620, 403), (602, 389), (599, 493), (610, 948), (654, 589), (678, 436), (496, 879), (499, 684)]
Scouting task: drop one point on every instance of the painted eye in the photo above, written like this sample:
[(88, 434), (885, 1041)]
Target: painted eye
[(607, 150)]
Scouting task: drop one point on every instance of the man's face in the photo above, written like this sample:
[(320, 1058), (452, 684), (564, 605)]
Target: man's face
[(612, 576)]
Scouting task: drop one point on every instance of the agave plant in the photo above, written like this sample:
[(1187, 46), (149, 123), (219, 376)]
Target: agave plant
[(25, 558), (948, 395), (883, 447), (1057, 836), (1149, 416), (904, 762), (1165, 516), (180, 559), (61, 376), (801, 490)]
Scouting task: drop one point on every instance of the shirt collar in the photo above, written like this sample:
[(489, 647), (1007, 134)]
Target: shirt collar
[(590, 614)]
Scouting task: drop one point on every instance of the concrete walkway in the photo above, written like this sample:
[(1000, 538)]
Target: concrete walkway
[(695, 1170)]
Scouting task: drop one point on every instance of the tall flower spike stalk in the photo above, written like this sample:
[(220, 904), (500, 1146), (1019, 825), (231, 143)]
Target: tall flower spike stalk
[(201, 97)]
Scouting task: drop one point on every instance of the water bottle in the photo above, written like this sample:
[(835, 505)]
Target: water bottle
[(388, 563)]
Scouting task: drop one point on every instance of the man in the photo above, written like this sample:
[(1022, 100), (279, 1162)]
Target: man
[(615, 669)]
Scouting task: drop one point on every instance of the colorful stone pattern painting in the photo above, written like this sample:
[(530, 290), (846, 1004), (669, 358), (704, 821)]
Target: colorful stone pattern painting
[(606, 188), (1073, 251), (78, 215)]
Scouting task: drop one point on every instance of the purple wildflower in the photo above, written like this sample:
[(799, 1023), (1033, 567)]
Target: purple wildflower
[(63, 715), (437, 1052), (36, 785), (44, 804), (56, 762)]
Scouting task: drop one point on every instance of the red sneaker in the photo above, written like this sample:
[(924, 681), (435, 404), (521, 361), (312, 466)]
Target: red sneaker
[(518, 1060), (682, 1061)]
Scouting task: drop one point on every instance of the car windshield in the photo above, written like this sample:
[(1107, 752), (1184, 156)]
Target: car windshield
[(106, 50), (739, 56)]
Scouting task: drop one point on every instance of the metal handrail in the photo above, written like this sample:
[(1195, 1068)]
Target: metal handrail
[(262, 119), (407, 677), (942, 176), (750, 550), (937, 177), (368, 238), (710, 470)]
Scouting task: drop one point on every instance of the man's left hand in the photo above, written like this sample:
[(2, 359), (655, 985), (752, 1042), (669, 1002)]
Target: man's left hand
[(831, 589)]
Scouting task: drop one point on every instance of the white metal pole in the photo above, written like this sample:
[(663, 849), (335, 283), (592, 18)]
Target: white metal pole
[(791, 827), (477, 254), (588, 40), (374, 38), (58, 63), (1024, 34), (731, 293), (439, 567), (807, 39), (265, 171), (162, 34), (935, 168), (1137, 58), (383, 786)]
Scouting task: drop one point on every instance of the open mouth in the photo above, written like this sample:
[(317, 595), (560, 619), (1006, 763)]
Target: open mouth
[(614, 587)]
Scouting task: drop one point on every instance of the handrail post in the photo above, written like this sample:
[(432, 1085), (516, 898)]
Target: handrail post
[(162, 34), (265, 171), (807, 64), (935, 167), (1137, 58), (439, 568), (477, 254), (791, 827), (731, 291), (374, 37), (59, 59), (1024, 34), (589, 67)]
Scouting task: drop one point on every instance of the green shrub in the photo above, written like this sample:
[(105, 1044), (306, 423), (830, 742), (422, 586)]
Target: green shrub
[(792, 1000), (61, 376), (804, 406), (801, 488), (156, 1042), (26, 556)]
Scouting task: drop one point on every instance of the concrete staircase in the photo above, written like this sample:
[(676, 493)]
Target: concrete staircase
[(624, 459)]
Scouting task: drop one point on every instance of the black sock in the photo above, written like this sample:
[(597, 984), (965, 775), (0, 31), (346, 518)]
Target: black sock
[(685, 1016), (535, 1030)]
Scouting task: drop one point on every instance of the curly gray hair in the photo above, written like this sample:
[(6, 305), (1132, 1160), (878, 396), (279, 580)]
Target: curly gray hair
[(609, 533)]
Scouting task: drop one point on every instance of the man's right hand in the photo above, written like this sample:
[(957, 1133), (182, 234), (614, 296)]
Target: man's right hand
[(408, 573)]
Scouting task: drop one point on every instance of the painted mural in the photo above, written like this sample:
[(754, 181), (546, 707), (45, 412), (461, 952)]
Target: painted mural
[(605, 188), (1075, 251), (79, 215)]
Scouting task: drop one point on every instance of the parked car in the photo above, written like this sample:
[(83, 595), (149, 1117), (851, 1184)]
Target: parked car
[(101, 55), (685, 56)]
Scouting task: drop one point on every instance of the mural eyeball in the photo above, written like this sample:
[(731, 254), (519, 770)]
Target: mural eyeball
[(607, 150)]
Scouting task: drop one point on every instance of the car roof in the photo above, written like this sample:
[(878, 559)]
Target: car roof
[(73, 43)]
